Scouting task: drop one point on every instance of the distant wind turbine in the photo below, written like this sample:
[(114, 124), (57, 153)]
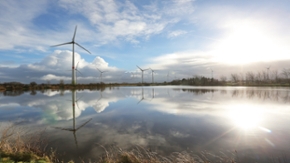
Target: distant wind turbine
[(268, 71), (142, 72), (152, 71), (76, 68), (73, 56), (101, 74), (211, 73)]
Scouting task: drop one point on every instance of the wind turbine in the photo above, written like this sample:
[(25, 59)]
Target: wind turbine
[(268, 71), (142, 96), (167, 76), (211, 73), (152, 71), (76, 68), (73, 56), (74, 129), (101, 74), (142, 72)]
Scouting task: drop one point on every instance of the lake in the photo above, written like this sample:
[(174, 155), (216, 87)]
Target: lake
[(217, 121)]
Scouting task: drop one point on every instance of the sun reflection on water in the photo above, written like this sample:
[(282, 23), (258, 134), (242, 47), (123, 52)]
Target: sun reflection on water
[(247, 117)]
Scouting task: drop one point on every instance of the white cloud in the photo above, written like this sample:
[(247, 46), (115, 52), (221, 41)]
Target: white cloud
[(57, 66), (176, 33), (100, 62), (50, 77), (16, 23), (125, 21)]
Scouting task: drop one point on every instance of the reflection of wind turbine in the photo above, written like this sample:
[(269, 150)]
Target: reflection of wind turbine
[(101, 74), (73, 54), (142, 96), (74, 129), (153, 93), (152, 72), (142, 72)]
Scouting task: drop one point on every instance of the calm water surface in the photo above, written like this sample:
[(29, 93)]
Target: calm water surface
[(254, 121)]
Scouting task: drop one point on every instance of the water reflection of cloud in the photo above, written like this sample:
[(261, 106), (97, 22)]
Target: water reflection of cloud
[(173, 121)]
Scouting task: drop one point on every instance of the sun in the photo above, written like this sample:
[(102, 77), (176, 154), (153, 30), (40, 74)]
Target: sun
[(246, 43)]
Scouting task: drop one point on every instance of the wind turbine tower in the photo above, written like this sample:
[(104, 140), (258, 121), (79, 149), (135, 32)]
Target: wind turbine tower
[(142, 70), (268, 72), (152, 71), (73, 54), (101, 74)]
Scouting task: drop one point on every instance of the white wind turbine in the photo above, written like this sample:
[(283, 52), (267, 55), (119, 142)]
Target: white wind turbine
[(73, 56), (142, 72), (76, 69), (101, 74), (268, 71), (167, 76), (152, 72), (211, 73), (74, 129)]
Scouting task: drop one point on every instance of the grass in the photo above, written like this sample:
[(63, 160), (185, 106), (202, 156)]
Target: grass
[(142, 155), (18, 145)]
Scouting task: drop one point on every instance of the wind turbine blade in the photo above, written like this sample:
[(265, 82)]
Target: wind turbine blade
[(78, 105), (80, 72), (78, 98), (83, 48), (60, 128), (140, 100), (99, 70), (75, 33), (139, 68), (77, 65), (84, 124), (61, 44)]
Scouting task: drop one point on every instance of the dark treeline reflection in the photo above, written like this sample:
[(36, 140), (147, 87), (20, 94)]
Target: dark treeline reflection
[(197, 91), (275, 95), (34, 92), (269, 94)]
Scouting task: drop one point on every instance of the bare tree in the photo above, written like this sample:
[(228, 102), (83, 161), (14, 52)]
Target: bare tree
[(223, 78), (275, 75), (241, 77), (250, 77), (235, 77), (258, 77), (285, 73), (264, 76)]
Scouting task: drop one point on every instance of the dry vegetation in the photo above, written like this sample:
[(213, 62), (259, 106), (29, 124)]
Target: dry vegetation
[(19, 145)]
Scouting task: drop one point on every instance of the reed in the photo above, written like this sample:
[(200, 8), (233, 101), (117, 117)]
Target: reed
[(20, 145)]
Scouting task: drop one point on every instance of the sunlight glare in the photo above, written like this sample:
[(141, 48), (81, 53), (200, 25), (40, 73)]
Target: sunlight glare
[(245, 116), (247, 42)]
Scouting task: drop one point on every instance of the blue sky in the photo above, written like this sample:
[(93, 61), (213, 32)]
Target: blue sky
[(181, 38)]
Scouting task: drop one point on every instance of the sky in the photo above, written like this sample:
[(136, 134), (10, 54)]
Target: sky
[(176, 38)]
